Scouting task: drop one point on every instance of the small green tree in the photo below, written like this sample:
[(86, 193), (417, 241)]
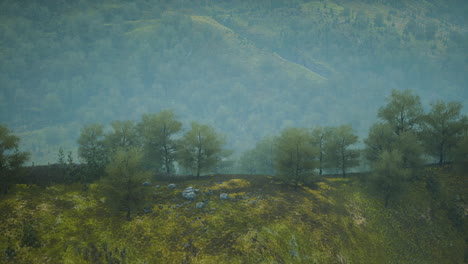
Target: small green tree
[(381, 137), (61, 158), (320, 136), (200, 148), (11, 159), (124, 136), (403, 111), (389, 176), (441, 129), (295, 155), (158, 131), (259, 160), (92, 151), (123, 186), (339, 155)]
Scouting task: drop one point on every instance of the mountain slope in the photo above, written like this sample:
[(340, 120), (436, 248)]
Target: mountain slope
[(264, 221), (249, 68)]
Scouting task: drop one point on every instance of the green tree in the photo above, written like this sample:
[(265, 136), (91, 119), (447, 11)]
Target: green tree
[(124, 136), (381, 137), (441, 129), (295, 155), (61, 157), (158, 131), (91, 150), (200, 148), (320, 136), (11, 159), (123, 186), (389, 176), (403, 111), (259, 160), (338, 153)]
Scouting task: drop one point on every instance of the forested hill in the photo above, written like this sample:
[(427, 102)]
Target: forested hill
[(249, 68)]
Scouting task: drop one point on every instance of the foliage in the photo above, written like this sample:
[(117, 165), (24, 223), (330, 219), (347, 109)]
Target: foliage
[(295, 155), (92, 150), (259, 160), (389, 175), (201, 148), (157, 132), (403, 111), (11, 159), (123, 185), (338, 154), (442, 129), (321, 136), (381, 137), (124, 136), (63, 64)]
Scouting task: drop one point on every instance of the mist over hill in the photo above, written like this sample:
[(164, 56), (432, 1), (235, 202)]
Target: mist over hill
[(248, 68)]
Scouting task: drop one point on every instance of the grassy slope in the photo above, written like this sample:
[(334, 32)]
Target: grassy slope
[(263, 222)]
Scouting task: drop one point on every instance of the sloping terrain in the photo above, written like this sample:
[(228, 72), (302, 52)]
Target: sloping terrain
[(250, 68), (263, 221)]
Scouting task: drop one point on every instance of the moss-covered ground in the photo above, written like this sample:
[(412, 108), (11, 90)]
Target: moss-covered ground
[(264, 221)]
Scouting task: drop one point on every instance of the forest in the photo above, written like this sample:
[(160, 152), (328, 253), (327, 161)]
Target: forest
[(265, 131), (249, 68)]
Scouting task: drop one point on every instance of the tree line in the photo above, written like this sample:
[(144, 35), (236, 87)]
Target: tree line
[(128, 153), (404, 138)]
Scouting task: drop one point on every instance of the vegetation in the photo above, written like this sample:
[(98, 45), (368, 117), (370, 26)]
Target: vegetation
[(295, 157), (11, 159), (200, 149), (279, 88)]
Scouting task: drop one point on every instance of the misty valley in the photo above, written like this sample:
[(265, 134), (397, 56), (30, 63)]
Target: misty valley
[(260, 131)]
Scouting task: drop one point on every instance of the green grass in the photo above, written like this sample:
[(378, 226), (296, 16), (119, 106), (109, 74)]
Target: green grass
[(265, 221)]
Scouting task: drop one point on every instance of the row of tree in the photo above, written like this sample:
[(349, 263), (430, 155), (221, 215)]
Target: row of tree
[(404, 139), (158, 138)]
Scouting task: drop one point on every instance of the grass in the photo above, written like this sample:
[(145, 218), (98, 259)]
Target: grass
[(264, 221)]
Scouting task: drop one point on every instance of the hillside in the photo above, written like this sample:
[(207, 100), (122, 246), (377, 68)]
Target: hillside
[(264, 221), (249, 68)]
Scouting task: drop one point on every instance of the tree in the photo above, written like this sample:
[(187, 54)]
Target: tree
[(403, 111), (124, 136), (123, 186), (11, 159), (320, 136), (389, 175), (295, 155), (441, 129), (338, 153), (61, 158), (200, 148), (259, 160), (158, 131), (381, 137), (91, 150)]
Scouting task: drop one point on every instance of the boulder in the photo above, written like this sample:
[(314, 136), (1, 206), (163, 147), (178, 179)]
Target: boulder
[(224, 196), (200, 205), (189, 193), (146, 184), (172, 186)]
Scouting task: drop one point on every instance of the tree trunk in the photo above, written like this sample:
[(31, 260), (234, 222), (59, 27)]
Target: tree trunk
[(387, 198), (441, 155), (129, 218)]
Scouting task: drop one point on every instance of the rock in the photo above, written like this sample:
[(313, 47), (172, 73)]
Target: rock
[(224, 196), (200, 205), (158, 186), (172, 186), (160, 207), (146, 184), (147, 210), (189, 193)]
